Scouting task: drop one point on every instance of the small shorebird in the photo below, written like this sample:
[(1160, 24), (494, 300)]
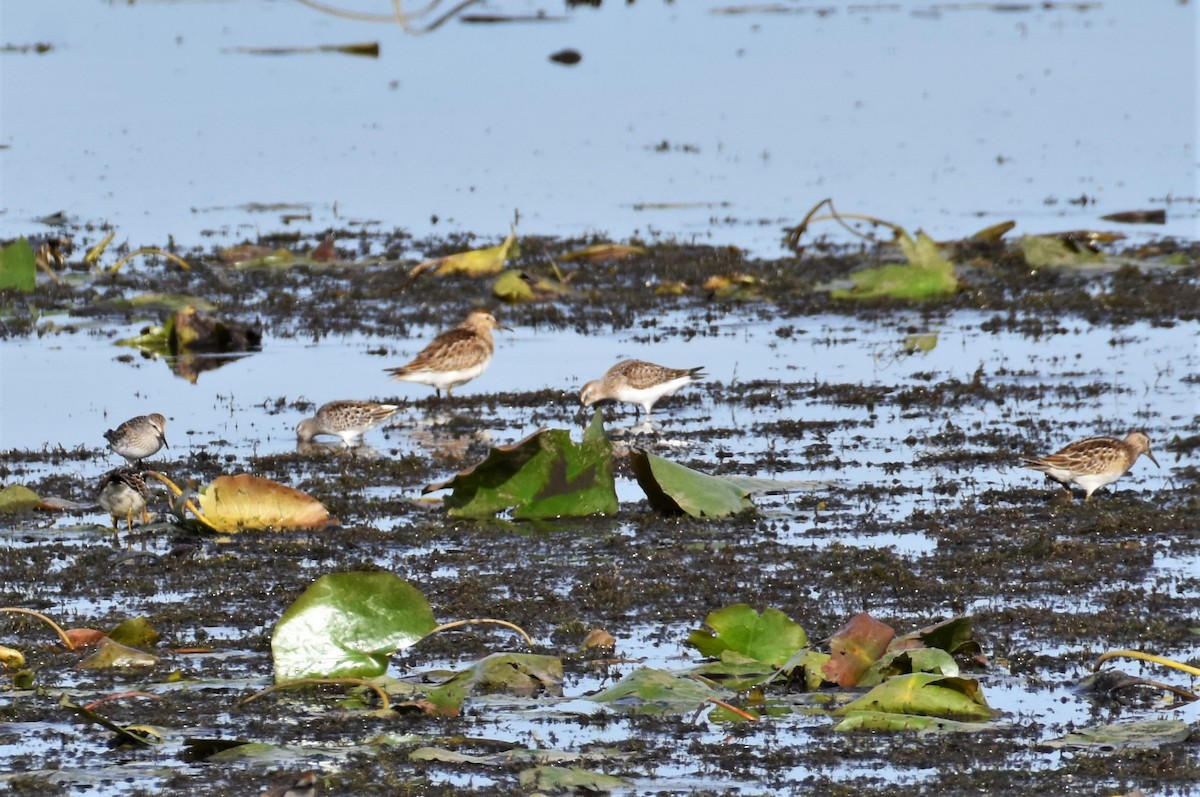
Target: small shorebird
[(346, 419), (638, 382), (123, 494), (138, 437), (454, 357), (303, 786), (1094, 462)]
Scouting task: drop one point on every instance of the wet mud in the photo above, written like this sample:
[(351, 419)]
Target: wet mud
[(1050, 584)]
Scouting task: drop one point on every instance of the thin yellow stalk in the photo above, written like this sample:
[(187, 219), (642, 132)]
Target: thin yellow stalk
[(487, 620), (188, 502), (62, 635), (1137, 654), (150, 250)]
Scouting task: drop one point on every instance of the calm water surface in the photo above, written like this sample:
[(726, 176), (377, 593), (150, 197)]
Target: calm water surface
[(682, 120)]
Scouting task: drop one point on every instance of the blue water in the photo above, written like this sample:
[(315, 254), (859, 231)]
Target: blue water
[(146, 116)]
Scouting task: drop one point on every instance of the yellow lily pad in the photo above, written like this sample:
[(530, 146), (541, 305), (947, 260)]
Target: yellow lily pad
[(251, 503)]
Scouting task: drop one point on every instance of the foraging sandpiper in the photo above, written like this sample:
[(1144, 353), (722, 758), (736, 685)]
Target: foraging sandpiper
[(346, 419), (304, 785), (454, 357), (1094, 462), (123, 494), (638, 382), (138, 437)]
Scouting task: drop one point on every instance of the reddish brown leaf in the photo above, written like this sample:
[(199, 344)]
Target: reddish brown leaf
[(855, 647), (85, 638)]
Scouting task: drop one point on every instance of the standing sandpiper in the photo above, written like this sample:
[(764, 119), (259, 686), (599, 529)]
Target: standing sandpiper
[(303, 786), (123, 494), (346, 419), (638, 382), (454, 357), (138, 437), (1094, 462)]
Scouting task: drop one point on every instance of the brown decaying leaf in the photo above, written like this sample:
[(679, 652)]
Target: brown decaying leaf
[(855, 647), (84, 638)]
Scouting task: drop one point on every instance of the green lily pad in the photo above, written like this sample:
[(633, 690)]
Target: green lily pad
[(927, 695), (347, 625), (543, 476), (650, 691), (18, 267), (955, 636), (899, 662), (735, 671), (926, 275), (516, 673), (674, 488), (18, 498), (772, 637), (135, 632)]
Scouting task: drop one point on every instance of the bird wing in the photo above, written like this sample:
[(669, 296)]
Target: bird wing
[(449, 351)]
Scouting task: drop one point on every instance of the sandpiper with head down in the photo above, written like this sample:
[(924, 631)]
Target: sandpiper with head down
[(348, 420), (638, 382), (138, 437), (304, 785), (1092, 463), (454, 357), (123, 494)]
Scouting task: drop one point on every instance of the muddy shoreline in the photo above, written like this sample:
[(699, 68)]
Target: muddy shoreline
[(1030, 570)]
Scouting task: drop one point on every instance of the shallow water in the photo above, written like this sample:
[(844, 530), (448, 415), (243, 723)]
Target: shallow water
[(682, 121)]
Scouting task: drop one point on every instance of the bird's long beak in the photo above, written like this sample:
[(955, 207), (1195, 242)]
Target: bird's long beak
[(1150, 454), (164, 439)]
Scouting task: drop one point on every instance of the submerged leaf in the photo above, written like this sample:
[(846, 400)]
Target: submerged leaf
[(347, 625), (517, 673), (18, 267), (572, 779), (544, 475), (772, 637), (920, 343), (1144, 735), (598, 252), (1042, 251), (650, 691), (674, 488)]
